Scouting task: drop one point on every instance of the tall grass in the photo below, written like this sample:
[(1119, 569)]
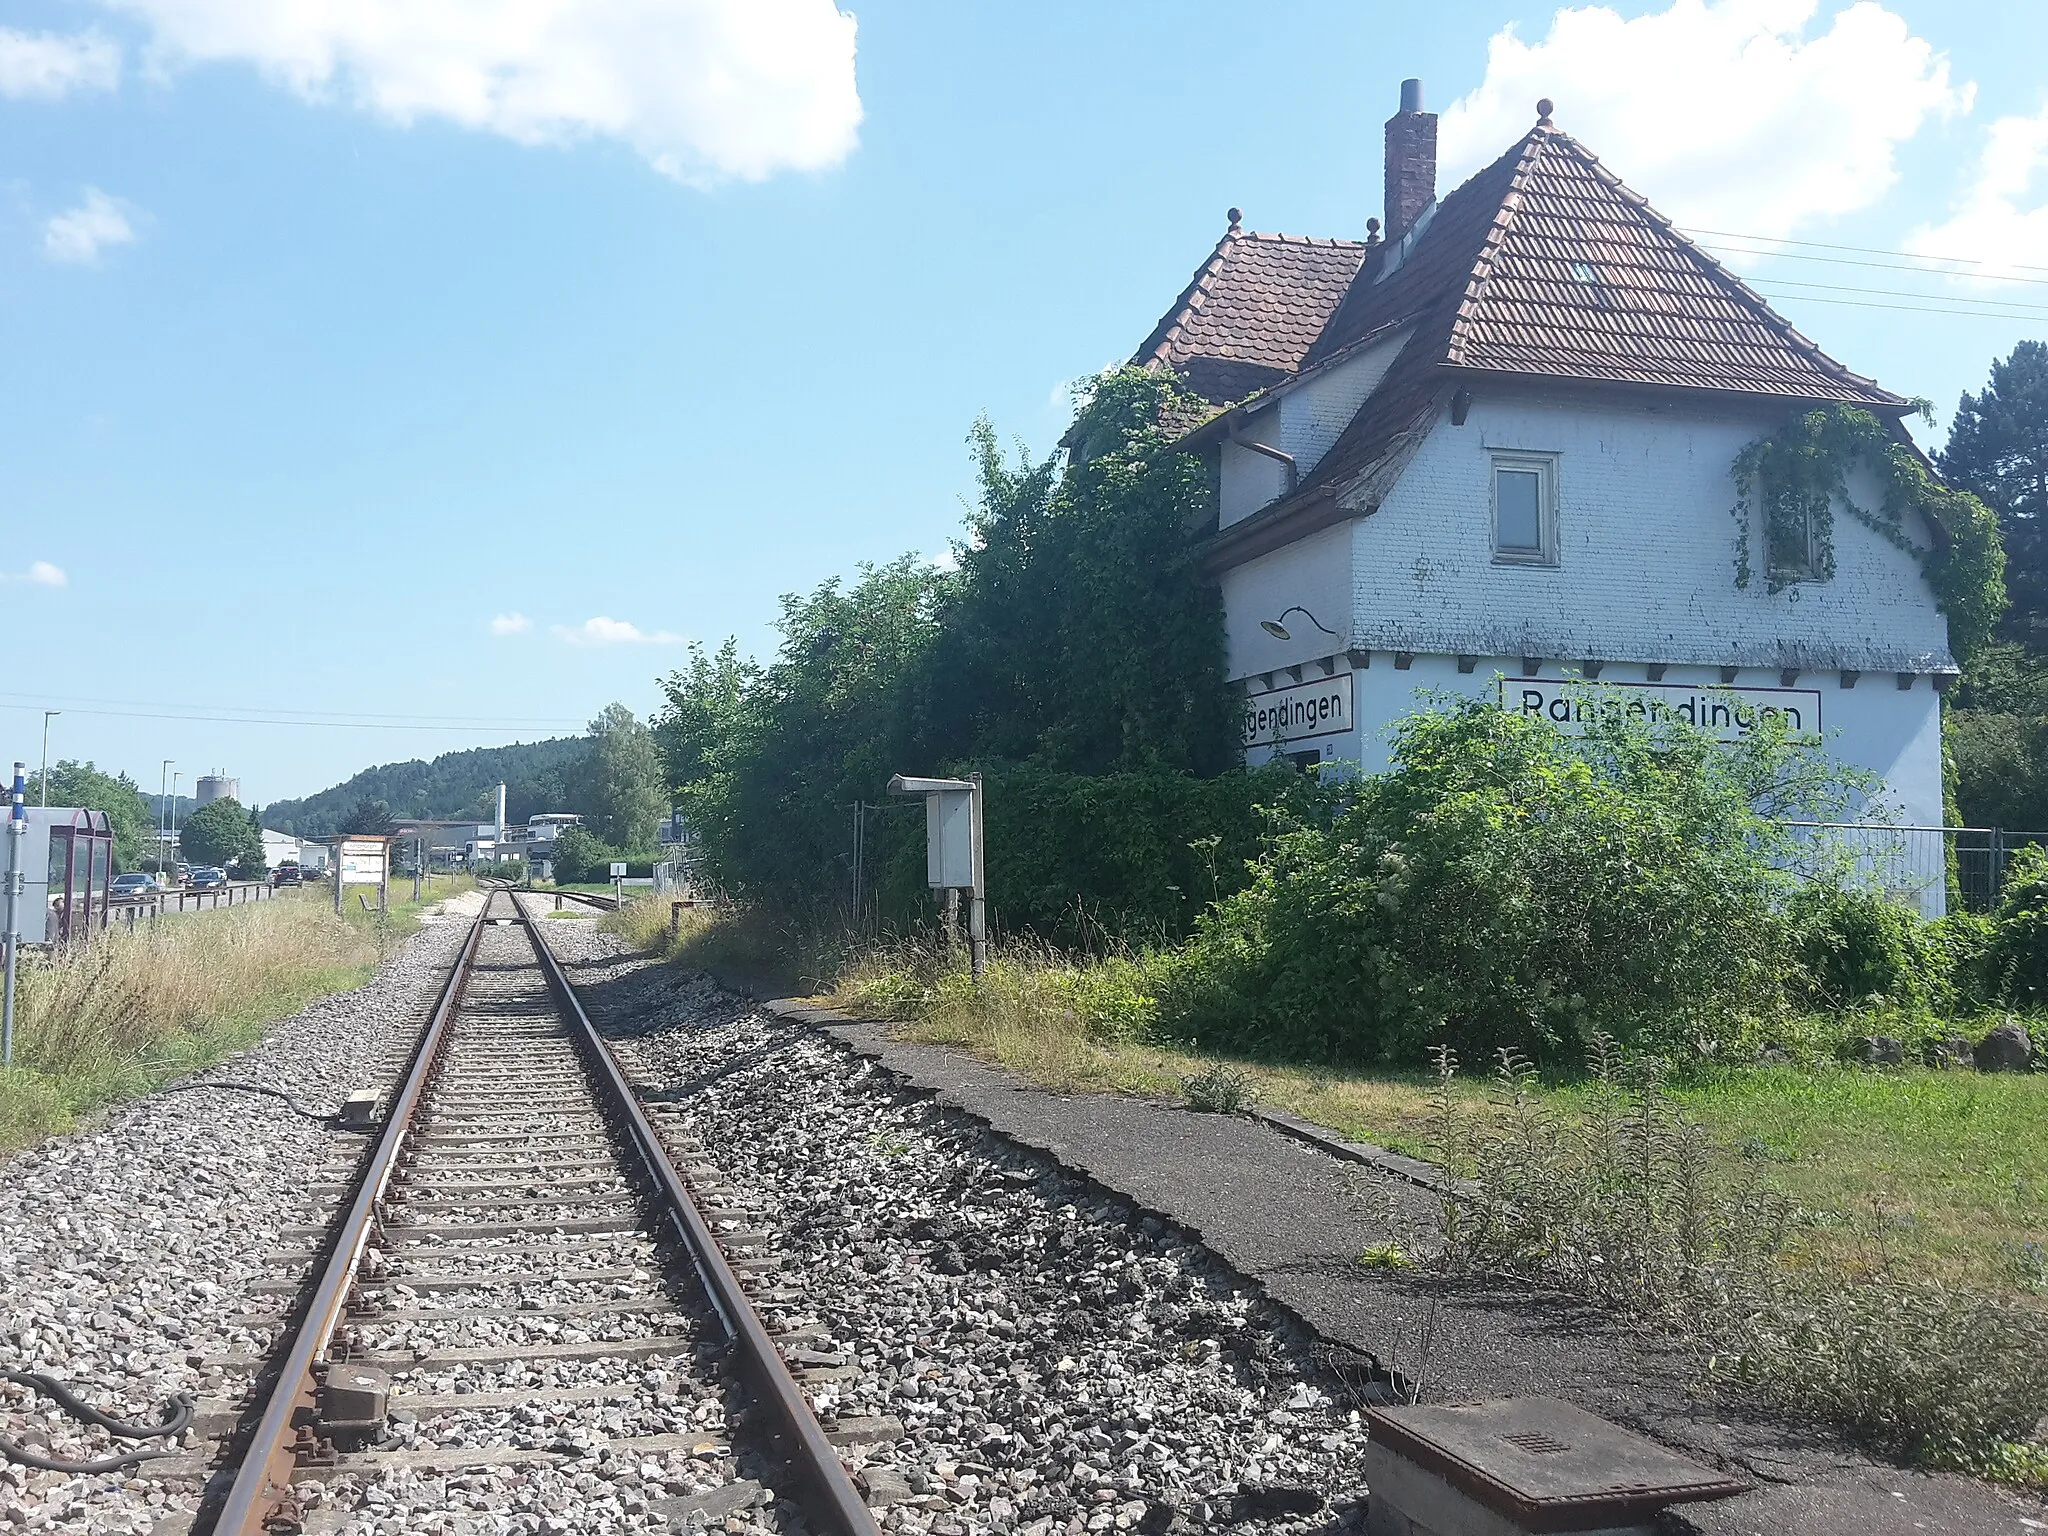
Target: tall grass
[(1622, 1199), (140, 1006)]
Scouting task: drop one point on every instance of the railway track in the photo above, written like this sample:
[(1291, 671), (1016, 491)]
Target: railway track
[(522, 1290)]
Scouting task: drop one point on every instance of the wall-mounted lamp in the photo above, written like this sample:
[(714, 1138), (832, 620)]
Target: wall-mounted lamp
[(1277, 628)]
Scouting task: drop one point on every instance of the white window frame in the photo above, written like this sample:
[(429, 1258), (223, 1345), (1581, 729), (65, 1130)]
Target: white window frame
[(1544, 467)]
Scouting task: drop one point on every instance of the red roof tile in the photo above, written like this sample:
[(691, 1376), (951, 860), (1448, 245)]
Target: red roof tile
[(1248, 318)]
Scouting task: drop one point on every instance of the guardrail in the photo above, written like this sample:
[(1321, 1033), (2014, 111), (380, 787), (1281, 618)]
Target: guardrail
[(131, 910)]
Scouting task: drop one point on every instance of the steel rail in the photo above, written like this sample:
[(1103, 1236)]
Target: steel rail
[(834, 1498), (264, 1479)]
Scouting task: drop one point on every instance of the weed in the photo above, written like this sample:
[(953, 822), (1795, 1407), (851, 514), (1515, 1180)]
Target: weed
[(1624, 1202), (1386, 1256), (1220, 1089)]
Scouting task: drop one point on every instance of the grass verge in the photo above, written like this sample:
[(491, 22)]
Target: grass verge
[(138, 1008)]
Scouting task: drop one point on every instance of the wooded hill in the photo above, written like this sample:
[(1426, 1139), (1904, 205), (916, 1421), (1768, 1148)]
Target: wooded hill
[(538, 776)]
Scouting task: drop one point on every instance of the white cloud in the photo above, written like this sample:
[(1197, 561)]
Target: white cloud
[(48, 66), (40, 573), (511, 624), (80, 234), (705, 89), (1727, 114), (604, 631), (1992, 225)]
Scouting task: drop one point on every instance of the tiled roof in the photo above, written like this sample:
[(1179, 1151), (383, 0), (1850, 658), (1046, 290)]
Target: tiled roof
[(1543, 265), (1251, 313), (1581, 278)]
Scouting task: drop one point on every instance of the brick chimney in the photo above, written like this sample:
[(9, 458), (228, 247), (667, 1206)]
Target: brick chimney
[(1411, 161)]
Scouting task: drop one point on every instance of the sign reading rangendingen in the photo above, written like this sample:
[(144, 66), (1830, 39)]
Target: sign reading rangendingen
[(1727, 713), (1318, 708)]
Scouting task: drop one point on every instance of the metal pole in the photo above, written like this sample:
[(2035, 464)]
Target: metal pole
[(17, 829), (44, 785), (163, 803), (174, 825), (419, 863), (977, 911)]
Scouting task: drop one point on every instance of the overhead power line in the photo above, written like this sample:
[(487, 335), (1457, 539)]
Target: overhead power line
[(1871, 250), (421, 724), (259, 709)]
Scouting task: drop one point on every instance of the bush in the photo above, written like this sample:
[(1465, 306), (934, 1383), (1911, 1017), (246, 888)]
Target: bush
[(1503, 884), (1859, 946), (2015, 956), (580, 859)]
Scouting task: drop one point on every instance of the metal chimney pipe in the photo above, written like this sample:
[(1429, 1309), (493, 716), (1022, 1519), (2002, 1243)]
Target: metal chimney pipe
[(501, 813), (1411, 95)]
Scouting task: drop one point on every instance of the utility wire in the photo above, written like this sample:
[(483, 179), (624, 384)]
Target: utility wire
[(1888, 266), (257, 709), (1906, 293), (346, 725), (1868, 250), (1912, 309)]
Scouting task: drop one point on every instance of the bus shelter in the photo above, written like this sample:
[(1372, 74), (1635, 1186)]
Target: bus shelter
[(68, 858)]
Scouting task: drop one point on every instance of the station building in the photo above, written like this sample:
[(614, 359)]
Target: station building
[(1488, 451)]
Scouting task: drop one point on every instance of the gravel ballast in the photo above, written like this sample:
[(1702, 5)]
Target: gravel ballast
[(1023, 1352), (134, 1255)]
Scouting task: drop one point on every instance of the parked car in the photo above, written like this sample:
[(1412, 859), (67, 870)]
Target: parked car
[(133, 887), (208, 878), (286, 874)]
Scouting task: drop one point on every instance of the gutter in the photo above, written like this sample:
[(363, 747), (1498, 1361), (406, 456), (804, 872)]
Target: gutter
[(1284, 460)]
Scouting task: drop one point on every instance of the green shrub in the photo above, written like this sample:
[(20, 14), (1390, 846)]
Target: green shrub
[(1504, 884), (2014, 964), (1860, 945)]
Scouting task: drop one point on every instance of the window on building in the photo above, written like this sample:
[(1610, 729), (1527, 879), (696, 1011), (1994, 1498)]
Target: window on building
[(1525, 508), (1796, 549)]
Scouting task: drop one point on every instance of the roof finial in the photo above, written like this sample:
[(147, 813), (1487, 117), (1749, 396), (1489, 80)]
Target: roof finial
[(1236, 218), (1372, 231), (1543, 111)]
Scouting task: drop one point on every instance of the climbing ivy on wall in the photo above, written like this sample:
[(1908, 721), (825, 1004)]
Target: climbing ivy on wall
[(1793, 479)]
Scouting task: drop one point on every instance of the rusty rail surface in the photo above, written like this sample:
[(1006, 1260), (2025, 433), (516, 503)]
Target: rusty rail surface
[(258, 1499), (834, 1500)]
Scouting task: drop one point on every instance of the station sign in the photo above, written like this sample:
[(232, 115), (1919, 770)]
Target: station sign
[(1726, 713), (1299, 712)]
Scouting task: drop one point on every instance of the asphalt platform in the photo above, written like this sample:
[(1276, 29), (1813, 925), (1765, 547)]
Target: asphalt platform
[(1295, 1217)]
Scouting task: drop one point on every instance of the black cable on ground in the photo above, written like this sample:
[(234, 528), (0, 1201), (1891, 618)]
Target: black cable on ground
[(331, 1120), (176, 1417)]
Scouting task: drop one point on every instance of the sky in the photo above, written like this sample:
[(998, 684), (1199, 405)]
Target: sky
[(385, 378)]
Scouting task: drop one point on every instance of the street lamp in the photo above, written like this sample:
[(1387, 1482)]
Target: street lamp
[(163, 816), (47, 716), (175, 776), (1277, 628)]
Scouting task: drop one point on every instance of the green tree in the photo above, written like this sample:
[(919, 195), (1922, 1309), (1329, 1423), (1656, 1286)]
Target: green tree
[(626, 796), (1998, 448), (366, 818), (129, 812), (220, 832), (1082, 634)]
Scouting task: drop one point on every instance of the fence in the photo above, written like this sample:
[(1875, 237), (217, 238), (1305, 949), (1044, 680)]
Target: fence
[(146, 909), (1923, 867)]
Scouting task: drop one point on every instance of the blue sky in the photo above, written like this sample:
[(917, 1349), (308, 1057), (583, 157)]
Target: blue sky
[(323, 343)]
